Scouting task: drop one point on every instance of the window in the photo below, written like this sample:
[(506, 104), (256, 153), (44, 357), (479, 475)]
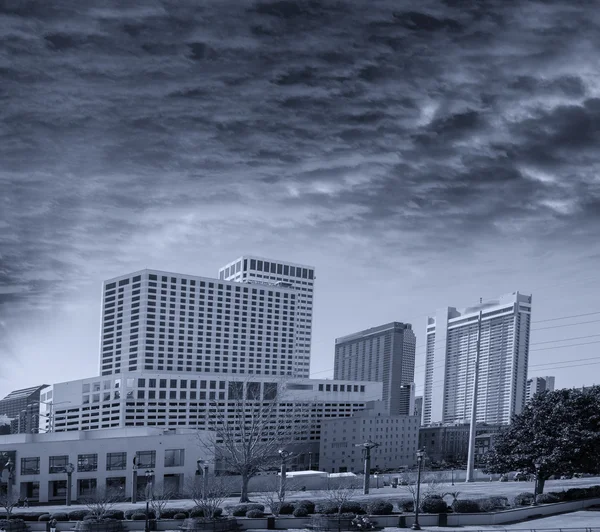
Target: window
[(236, 391), (174, 457), (116, 461), (30, 466), (146, 459), (58, 464), (87, 462), (86, 487)]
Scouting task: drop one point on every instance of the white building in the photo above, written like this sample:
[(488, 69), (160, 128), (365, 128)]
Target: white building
[(300, 278), (538, 385), (397, 436), (381, 354), (102, 459), (452, 335), (170, 322)]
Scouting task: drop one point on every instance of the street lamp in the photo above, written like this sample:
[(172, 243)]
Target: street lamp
[(202, 471), (367, 446), (452, 473), (309, 461), (149, 475), (420, 455), (283, 454), (537, 465), (69, 468)]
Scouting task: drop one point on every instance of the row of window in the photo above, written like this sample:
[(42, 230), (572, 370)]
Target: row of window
[(114, 462)]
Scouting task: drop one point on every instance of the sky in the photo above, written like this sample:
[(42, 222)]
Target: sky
[(418, 154)]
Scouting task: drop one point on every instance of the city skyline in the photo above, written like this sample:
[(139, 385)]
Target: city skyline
[(417, 154)]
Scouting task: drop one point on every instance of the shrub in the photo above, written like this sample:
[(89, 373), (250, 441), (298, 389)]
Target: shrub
[(301, 511), (489, 504), (575, 494), (466, 507), (60, 516), (406, 505), (30, 517), (255, 513), (242, 509), (77, 515), (180, 515), (547, 498), (523, 499), (199, 513), (379, 507), (119, 515), (434, 505), (283, 508), (170, 513), (44, 517), (309, 505), (130, 513), (348, 507), (560, 495), (138, 516)]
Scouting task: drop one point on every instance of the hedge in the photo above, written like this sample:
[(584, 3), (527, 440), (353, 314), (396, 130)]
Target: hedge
[(466, 506), (308, 505), (434, 505), (255, 513), (301, 511), (170, 513), (547, 498), (283, 508), (379, 507), (406, 505), (59, 516), (523, 499), (242, 509)]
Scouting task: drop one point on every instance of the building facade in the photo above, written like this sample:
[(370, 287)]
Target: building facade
[(383, 354), (103, 460), (397, 438), (538, 385), (170, 322), (503, 328), (450, 443), (300, 278), (22, 408), (419, 408)]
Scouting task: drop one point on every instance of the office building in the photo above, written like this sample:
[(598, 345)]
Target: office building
[(538, 385), (169, 322), (381, 354), (419, 408), (21, 407), (397, 438), (503, 326), (103, 459), (298, 277)]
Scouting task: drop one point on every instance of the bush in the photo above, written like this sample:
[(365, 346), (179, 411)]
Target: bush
[(434, 505), (180, 515), (77, 515), (255, 513), (44, 517), (119, 515), (242, 509), (138, 516), (130, 513), (466, 507), (60, 516), (170, 513), (30, 517), (560, 495), (348, 507), (575, 494), (90, 517), (301, 511), (523, 499), (379, 507), (406, 505), (547, 498), (308, 505), (199, 513), (489, 504), (283, 508)]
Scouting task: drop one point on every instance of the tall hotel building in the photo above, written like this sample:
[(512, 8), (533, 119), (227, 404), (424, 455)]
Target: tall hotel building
[(452, 337), (159, 321), (382, 354), (300, 278)]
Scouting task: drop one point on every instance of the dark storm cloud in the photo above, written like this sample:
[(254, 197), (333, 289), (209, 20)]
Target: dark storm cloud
[(448, 121)]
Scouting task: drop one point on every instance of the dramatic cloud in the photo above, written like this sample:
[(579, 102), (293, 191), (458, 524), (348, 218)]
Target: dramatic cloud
[(135, 130)]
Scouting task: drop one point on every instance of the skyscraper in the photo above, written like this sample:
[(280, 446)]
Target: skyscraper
[(298, 277), (159, 321), (382, 354), (451, 348), (22, 407), (538, 385)]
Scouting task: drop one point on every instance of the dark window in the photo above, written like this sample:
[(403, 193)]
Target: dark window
[(30, 466), (270, 391), (123, 282), (236, 391), (146, 459), (116, 461), (110, 286), (137, 279), (87, 462), (152, 277), (58, 464), (141, 383)]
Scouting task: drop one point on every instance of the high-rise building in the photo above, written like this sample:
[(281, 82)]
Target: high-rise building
[(419, 408), (159, 321), (451, 348), (382, 354), (538, 385), (298, 277), (22, 407)]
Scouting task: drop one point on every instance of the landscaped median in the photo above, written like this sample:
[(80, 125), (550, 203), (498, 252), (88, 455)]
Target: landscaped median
[(321, 515)]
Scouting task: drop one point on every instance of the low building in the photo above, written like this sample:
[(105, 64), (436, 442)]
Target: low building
[(102, 459), (449, 444), (539, 384), (397, 438)]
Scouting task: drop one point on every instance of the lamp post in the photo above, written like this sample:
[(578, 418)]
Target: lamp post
[(202, 471), (367, 446), (537, 466), (452, 473), (283, 454), (309, 461), (420, 455), (69, 468), (149, 475)]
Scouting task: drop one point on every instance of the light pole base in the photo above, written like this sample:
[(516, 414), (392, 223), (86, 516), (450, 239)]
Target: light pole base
[(416, 526)]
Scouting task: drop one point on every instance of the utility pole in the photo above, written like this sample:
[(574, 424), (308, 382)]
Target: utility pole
[(367, 446), (473, 428)]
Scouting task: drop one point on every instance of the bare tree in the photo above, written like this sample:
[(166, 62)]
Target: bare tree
[(273, 496), (431, 486), (210, 496), (101, 502), (342, 492), (251, 426), (160, 496), (8, 502)]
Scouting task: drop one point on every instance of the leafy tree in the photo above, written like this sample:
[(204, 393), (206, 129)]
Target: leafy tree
[(559, 430)]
